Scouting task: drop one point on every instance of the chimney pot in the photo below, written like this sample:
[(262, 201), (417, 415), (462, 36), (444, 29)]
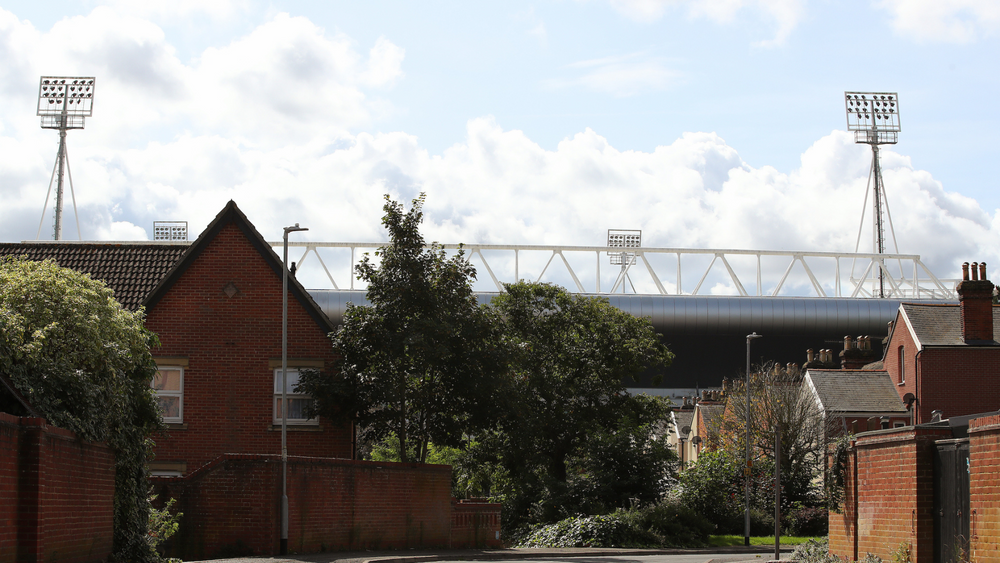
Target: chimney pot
[(975, 297), (847, 342), (965, 271), (810, 355)]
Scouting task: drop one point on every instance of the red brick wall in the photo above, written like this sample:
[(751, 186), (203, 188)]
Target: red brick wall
[(841, 529), (959, 381), (228, 343), (901, 337), (984, 489), (892, 495), (475, 525), (56, 494), (232, 505), (10, 447)]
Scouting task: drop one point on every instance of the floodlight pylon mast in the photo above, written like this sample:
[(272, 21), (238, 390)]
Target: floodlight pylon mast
[(874, 118), (63, 104)]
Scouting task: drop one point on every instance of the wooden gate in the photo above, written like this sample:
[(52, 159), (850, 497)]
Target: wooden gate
[(951, 500)]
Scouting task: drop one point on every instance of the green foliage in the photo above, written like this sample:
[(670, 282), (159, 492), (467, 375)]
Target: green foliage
[(420, 361), (570, 439), (808, 521), (836, 476), (84, 362), (814, 551), (609, 530), (713, 487), (669, 524), (162, 524), (902, 553)]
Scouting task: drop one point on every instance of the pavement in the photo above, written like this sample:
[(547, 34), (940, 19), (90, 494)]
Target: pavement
[(730, 554)]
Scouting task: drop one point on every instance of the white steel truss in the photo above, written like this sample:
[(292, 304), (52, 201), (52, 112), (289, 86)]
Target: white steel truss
[(912, 279)]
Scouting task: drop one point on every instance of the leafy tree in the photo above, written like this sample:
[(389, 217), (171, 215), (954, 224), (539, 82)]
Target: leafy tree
[(84, 362), (777, 397), (419, 362), (713, 487), (569, 409)]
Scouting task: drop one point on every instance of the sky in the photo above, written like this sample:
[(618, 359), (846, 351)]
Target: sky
[(707, 124)]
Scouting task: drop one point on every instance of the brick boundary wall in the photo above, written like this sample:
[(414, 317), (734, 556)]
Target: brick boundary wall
[(56, 494), (231, 506), (984, 488), (889, 495), (475, 524)]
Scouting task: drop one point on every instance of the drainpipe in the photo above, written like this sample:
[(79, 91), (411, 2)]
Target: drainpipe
[(854, 487), (916, 387)]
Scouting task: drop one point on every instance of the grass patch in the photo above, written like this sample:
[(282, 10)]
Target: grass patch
[(728, 540)]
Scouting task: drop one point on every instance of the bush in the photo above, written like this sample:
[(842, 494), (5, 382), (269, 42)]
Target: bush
[(814, 552), (669, 523), (761, 522), (617, 529), (677, 524), (808, 522)]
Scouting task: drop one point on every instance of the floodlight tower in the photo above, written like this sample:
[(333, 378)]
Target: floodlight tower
[(618, 238), (63, 104), (874, 118)]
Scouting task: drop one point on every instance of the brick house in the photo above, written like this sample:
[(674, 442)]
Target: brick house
[(218, 314), (216, 306), (855, 400), (943, 357)]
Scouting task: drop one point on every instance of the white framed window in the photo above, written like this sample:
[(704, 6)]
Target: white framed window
[(297, 402), (169, 386)]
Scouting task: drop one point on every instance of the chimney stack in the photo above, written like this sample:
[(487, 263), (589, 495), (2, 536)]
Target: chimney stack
[(975, 297)]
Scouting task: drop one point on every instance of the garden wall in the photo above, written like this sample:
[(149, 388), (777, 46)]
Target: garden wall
[(889, 493), (56, 494), (984, 489), (231, 507)]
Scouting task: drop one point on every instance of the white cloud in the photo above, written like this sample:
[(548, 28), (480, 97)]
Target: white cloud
[(784, 15), (629, 75), (954, 21), (288, 80), (258, 125), (178, 9)]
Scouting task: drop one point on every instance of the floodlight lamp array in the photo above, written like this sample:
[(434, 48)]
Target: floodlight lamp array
[(873, 116), (170, 230), (623, 239), (66, 96)]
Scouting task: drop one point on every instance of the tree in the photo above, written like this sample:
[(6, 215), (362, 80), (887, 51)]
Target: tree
[(84, 362), (777, 397), (419, 362), (569, 409)]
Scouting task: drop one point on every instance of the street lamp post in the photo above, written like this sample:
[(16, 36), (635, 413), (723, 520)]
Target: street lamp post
[(283, 548), (746, 470)]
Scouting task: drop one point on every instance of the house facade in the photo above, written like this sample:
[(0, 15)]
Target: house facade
[(944, 357), (218, 314), (215, 304)]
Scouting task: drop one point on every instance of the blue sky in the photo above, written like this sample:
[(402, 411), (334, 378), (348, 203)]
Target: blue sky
[(717, 123)]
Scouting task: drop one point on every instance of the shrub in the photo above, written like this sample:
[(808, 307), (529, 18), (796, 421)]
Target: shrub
[(617, 529), (808, 522), (677, 524), (814, 552)]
